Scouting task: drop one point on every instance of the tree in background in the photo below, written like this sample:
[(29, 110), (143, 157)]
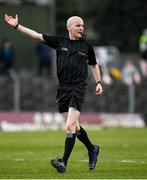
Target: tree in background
[(116, 22)]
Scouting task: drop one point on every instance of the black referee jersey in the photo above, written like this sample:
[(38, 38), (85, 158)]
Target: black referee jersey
[(72, 58)]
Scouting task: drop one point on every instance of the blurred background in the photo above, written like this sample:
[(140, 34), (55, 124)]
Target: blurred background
[(118, 32)]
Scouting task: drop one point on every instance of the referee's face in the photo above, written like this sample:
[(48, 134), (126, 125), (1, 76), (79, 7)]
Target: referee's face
[(76, 29)]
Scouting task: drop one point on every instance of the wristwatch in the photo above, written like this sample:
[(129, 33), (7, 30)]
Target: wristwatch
[(15, 27), (98, 82)]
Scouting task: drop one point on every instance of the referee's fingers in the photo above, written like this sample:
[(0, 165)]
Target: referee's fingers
[(16, 16)]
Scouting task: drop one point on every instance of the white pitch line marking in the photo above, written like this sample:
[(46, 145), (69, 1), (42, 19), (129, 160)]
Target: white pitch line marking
[(18, 159)]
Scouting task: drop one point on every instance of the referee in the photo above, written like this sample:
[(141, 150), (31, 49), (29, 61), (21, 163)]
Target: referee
[(74, 53)]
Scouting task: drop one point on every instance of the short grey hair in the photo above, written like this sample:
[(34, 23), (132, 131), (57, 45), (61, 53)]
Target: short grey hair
[(70, 20)]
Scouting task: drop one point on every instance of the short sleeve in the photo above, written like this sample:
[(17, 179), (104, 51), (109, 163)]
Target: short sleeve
[(91, 56), (51, 41)]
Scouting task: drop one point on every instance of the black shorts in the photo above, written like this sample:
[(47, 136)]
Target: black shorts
[(70, 95)]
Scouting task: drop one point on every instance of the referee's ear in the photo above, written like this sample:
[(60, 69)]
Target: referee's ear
[(68, 27)]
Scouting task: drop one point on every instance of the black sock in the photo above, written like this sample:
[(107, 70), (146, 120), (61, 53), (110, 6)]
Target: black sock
[(83, 137), (69, 144)]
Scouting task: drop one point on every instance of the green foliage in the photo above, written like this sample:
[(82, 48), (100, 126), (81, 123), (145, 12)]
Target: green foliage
[(27, 155)]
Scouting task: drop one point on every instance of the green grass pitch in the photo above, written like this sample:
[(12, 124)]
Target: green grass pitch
[(27, 155)]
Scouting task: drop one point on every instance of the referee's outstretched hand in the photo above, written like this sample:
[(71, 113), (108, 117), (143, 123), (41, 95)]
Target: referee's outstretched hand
[(11, 21), (99, 89)]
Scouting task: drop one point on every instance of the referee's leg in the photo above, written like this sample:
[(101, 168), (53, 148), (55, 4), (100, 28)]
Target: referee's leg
[(72, 117), (71, 122)]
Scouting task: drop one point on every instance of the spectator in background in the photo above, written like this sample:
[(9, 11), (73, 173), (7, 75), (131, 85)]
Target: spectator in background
[(44, 55), (143, 62), (7, 56), (130, 73), (143, 52), (143, 40)]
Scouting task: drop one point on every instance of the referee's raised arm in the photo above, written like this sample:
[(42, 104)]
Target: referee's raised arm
[(15, 24)]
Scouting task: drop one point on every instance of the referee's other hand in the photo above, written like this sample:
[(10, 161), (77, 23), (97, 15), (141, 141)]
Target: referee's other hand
[(99, 89)]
